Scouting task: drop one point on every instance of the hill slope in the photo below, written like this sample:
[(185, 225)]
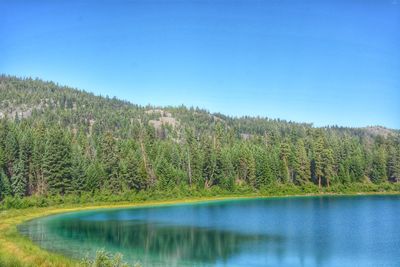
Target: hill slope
[(59, 140)]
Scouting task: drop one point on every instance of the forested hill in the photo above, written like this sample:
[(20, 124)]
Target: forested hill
[(59, 140)]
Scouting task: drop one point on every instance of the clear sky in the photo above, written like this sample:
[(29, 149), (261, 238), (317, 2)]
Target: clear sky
[(321, 61)]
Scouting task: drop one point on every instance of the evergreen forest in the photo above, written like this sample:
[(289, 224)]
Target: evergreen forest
[(57, 141)]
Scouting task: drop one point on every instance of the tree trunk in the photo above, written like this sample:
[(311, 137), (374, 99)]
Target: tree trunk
[(189, 169), (148, 168), (319, 182)]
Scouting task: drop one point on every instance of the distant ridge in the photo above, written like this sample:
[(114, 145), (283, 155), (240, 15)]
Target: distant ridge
[(47, 89)]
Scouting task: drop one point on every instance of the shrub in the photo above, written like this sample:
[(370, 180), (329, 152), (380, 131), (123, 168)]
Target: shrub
[(104, 259)]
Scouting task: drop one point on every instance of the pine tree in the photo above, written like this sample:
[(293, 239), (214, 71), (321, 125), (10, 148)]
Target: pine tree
[(57, 162), (245, 164), (25, 155), (78, 173), (356, 166), (5, 186), (194, 158), (18, 180), (327, 164), (2, 158), (318, 159), (394, 164), (189, 140), (20, 169), (284, 157), (263, 170), (10, 152), (109, 156), (228, 172), (130, 171), (166, 173), (343, 173), (95, 175), (302, 172), (37, 183), (378, 172), (209, 165), (343, 163)]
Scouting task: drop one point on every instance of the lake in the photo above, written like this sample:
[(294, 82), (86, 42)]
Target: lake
[(294, 231)]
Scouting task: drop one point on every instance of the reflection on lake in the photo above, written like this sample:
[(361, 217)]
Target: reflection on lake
[(327, 231)]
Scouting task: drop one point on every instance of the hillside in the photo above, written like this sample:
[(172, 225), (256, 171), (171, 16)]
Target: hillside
[(59, 140)]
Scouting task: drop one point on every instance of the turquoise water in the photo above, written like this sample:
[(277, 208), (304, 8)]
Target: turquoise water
[(298, 231)]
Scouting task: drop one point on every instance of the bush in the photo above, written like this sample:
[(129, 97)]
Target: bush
[(104, 259), (185, 191)]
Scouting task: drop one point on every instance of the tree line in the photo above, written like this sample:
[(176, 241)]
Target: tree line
[(56, 140)]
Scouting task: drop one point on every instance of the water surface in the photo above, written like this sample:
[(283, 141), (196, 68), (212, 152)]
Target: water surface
[(297, 231)]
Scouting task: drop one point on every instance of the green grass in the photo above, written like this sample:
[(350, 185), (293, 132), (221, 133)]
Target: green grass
[(16, 250)]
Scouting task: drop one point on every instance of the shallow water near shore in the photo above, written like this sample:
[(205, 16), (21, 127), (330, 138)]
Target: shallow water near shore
[(294, 231)]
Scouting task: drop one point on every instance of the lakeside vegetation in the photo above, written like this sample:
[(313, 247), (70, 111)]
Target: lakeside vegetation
[(19, 251), (63, 149), (187, 193), (58, 143)]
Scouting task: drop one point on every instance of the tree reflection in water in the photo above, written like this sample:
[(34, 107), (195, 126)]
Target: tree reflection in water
[(148, 242)]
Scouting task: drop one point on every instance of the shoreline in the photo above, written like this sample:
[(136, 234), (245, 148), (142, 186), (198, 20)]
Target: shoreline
[(17, 250)]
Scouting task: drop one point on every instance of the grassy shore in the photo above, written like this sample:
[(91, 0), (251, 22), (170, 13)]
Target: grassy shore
[(16, 250)]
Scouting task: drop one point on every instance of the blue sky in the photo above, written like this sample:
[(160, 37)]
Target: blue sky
[(321, 61)]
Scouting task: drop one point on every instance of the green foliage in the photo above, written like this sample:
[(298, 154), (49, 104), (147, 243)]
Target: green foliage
[(378, 168), (18, 180), (328, 164), (104, 259), (57, 162), (318, 158), (60, 145), (302, 172), (5, 185), (394, 163)]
